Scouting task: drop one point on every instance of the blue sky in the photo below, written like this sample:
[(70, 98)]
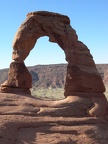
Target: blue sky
[(88, 17)]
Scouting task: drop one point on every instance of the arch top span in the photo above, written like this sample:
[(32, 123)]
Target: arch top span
[(63, 18), (42, 23)]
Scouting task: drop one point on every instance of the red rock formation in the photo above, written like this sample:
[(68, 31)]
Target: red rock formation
[(18, 78), (82, 76), (83, 88)]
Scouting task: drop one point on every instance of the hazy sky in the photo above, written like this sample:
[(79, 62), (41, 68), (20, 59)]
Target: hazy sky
[(88, 17)]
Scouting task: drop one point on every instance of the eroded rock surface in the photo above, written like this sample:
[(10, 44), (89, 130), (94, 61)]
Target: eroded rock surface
[(52, 130), (25, 119), (82, 117), (82, 75), (18, 78)]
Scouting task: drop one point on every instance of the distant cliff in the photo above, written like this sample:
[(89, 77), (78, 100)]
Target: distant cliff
[(45, 76)]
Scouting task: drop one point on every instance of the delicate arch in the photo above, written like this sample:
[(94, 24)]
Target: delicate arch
[(82, 75), (83, 87)]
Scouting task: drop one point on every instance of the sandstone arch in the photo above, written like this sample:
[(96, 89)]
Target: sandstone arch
[(82, 79), (82, 75), (82, 117)]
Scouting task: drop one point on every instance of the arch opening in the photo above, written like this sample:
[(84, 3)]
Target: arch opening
[(48, 69), (45, 52)]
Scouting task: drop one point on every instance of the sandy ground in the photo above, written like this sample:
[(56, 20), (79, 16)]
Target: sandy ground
[(26, 120)]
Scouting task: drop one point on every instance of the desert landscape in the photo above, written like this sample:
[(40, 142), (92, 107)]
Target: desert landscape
[(48, 80), (53, 104)]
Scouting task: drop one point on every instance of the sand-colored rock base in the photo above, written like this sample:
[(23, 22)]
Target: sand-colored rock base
[(52, 130), (27, 120), (78, 105)]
